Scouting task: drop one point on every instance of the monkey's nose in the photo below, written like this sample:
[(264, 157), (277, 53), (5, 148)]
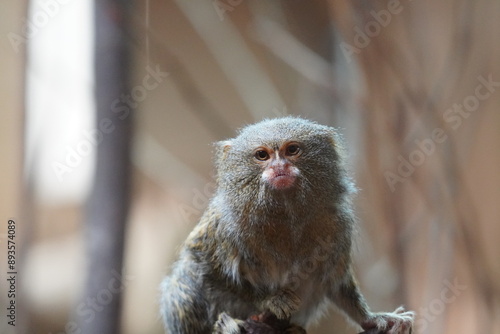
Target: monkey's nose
[(280, 176)]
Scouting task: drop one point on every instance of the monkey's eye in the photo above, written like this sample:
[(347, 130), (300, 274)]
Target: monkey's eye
[(293, 149), (261, 155)]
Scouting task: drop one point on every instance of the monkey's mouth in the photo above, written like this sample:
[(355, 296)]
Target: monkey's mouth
[(280, 179)]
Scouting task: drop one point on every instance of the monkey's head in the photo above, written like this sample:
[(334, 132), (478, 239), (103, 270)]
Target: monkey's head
[(282, 156)]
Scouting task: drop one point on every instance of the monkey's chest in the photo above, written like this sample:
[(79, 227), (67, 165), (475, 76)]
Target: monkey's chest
[(284, 253), (306, 279), (279, 263)]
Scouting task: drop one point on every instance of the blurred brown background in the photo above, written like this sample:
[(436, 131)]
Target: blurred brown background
[(413, 85)]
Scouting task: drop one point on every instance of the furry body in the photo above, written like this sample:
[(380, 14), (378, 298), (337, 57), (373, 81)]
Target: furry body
[(275, 237)]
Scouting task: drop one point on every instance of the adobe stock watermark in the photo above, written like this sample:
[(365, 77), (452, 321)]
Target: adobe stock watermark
[(454, 117), (223, 6), (87, 309), (280, 113), (200, 201), (47, 10), (122, 107), (363, 36), (437, 306), (320, 254), (201, 197)]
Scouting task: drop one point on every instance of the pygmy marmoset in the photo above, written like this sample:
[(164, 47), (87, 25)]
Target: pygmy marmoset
[(276, 237)]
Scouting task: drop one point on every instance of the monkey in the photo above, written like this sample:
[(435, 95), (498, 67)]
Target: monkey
[(276, 237)]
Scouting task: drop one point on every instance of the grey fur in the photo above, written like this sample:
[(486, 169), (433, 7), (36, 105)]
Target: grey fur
[(257, 248)]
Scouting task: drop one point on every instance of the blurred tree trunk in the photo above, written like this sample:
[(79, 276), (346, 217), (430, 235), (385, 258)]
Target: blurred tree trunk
[(109, 199)]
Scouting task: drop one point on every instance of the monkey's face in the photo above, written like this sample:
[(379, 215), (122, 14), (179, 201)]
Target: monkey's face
[(279, 156), (278, 164)]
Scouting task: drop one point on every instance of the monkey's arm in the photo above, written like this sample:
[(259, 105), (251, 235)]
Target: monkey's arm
[(348, 297)]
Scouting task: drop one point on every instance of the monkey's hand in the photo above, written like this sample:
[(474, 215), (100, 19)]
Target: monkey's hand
[(264, 323), (282, 304), (227, 325), (397, 322)]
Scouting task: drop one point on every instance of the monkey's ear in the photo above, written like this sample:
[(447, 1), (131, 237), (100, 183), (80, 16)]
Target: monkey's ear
[(221, 150)]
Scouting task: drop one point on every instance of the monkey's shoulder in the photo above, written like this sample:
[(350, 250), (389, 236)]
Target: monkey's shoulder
[(202, 237)]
